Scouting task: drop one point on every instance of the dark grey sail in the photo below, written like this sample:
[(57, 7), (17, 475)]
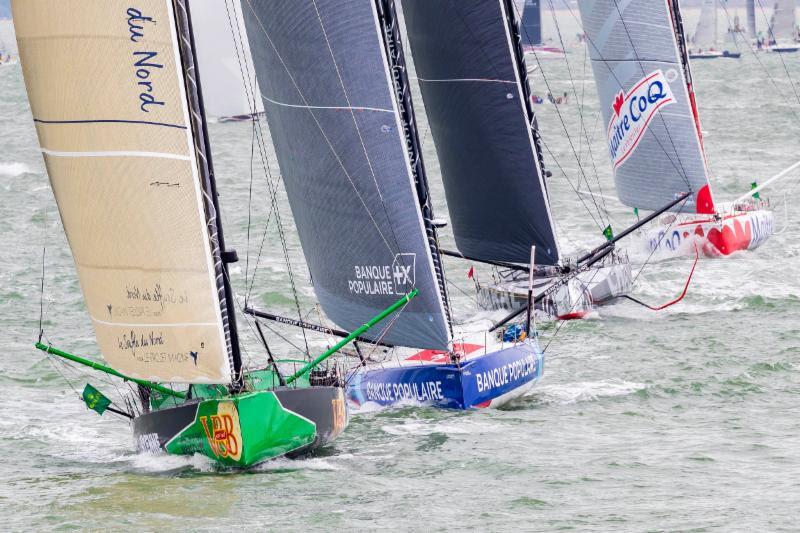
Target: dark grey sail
[(343, 148), (472, 77), (532, 23)]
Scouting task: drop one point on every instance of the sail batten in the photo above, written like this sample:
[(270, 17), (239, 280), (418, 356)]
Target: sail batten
[(343, 149), (647, 101), (120, 153), (467, 60)]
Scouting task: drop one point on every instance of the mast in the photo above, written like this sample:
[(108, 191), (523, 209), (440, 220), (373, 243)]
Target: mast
[(222, 257), (387, 15), (519, 37)]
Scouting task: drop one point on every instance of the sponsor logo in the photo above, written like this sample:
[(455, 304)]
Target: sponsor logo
[(397, 278), (145, 62), (425, 391), (223, 432), (339, 415), (632, 112), (506, 374)]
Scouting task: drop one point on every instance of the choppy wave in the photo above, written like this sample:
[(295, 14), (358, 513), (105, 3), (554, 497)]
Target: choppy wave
[(13, 169), (585, 391)]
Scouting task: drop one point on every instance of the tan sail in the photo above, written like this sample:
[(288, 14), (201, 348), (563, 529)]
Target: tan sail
[(108, 97)]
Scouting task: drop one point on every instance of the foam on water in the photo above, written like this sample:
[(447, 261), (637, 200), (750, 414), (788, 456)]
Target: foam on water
[(13, 169), (570, 393), (610, 438)]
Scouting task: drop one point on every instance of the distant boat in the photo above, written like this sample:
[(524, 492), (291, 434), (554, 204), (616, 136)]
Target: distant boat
[(531, 32), (339, 108), (132, 175), (654, 137), (783, 33), (705, 40), (226, 64), (489, 149)]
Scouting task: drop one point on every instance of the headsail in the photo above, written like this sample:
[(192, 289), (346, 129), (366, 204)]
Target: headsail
[(108, 96), (531, 23), (705, 36), (474, 86), (226, 64), (782, 24), (644, 85), (349, 162)]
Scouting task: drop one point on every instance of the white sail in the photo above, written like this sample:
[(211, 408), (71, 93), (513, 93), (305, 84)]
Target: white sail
[(111, 109), (644, 84), (226, 66), (705, 36), (782, 25)]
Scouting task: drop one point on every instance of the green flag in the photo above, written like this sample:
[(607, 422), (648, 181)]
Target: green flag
[(756, 195), (636, 211), (608, 232), (95, 400)]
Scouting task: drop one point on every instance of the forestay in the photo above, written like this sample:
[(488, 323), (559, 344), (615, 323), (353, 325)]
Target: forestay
[(473, 83), (110, 106), (343, 150), (642, 77)]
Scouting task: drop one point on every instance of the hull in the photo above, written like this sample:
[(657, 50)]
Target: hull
[(745, 230), (575, 299), (489, 380), (246, 429), (783, 49), (715, 55)]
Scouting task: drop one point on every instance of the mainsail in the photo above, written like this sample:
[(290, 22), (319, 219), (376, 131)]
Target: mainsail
[(750, 7), (646, 97), (782, 25), (336, 100), (531, 23), (474, 86), (705, 36), (113, 116), (226, 65)]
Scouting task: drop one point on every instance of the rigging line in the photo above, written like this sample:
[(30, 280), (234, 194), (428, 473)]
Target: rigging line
[(566, 133), (465, 293), (377, 345), (765, 69), (619, 84), (239, 46), (571, 309), (658, 245), (780, 55), (685, 69), (321, 129), (249, 210), (282, 236), (579, 108), (580, 197), (358, 130)]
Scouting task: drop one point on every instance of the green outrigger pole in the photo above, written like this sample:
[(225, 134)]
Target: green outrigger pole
[(170, 392), (357, 333), (109, 370)]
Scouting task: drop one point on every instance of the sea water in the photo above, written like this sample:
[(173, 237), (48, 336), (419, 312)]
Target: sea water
[(684, 419)]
